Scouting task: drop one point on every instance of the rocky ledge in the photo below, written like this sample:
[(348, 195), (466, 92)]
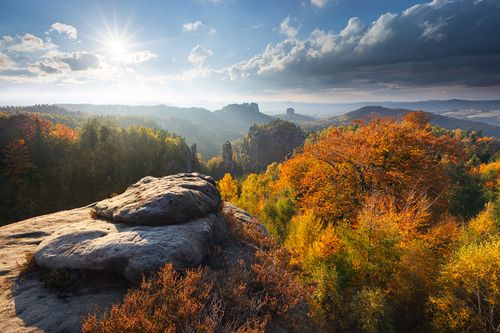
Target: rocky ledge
[(176, 219)]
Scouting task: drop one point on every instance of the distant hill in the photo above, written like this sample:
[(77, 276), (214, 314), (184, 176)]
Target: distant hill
[(437, 106), (290, 115), (368, 112), (241, 116), (209, 130)]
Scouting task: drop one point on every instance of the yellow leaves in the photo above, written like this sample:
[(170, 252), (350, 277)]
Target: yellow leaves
[(305, 230), (470, 288), (329, 244), (483, 224), (227, 187)]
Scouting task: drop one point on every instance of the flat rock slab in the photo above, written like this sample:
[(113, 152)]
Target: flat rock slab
[(128, 250), (26, 305), (162, 201)]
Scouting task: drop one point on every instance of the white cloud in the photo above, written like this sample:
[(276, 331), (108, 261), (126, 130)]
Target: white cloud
[(30, 43), (141, 56), (196, 26), (193, 26), (55, 62), (66, 29), (198, 55), (319, 3), (48, 67), (287, 29), (6, 62), (7, 38), (379, 31)]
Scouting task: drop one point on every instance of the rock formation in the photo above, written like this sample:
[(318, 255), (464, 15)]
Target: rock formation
[(268, 143), (161, 201), (290, 111), (176, 219), (227, 156)]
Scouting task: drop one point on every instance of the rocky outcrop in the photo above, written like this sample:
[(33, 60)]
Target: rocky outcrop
[(97, 243), (160, 201), (227, 156), (267, 143), (130, 251)]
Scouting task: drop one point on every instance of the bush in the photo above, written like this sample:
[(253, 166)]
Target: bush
[(242, 296)]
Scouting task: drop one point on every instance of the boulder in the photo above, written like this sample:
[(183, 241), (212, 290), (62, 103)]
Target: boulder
[(156, 220), (162, 201), (129, 250)]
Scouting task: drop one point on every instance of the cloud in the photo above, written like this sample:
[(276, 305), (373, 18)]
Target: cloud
[(55, 62), (432, 30), (80, 61), (30, 43), (193, 26), (379, 31), (66, 29), (7, 38), (319, 3), (142, 56), (47, 67), (198, 25), (198, 55), (6, 62), (440, 42), (287, 28)]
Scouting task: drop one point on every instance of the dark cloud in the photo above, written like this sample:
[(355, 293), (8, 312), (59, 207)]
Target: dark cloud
[(440, 42)]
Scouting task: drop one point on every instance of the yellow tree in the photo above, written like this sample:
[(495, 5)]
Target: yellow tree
[(228, 188)]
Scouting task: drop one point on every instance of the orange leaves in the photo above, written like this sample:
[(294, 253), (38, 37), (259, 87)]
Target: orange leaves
[(418, 118), (334, 173), (61, 131)]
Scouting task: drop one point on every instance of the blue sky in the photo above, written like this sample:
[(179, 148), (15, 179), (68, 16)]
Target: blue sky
[(210, 53)]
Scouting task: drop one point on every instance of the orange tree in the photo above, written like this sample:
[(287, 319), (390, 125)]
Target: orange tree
[(333, 174)]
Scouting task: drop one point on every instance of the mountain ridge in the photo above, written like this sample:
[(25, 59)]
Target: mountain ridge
[(367, 112)]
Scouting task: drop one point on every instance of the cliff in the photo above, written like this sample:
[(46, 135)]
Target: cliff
[(268, 143)]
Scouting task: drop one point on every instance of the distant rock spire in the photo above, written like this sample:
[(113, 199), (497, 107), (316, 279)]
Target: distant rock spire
[(227, 156)]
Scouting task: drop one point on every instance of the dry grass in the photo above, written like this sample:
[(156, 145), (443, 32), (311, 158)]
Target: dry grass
[(228, 297), (58, 279)]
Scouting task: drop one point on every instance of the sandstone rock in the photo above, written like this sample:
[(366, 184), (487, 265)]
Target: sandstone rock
[(161, 201), (26, 304), (76, 240), (130, 250)]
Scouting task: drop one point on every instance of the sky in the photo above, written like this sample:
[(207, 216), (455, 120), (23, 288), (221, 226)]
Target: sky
[(214, 52)]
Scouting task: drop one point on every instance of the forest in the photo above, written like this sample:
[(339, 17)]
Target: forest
[(394, 225), (380, 226), (48, 166)]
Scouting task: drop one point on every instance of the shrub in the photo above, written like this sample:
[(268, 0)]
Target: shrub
[(242, 296)]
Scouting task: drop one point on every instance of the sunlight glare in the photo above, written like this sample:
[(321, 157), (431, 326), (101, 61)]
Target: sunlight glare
[(117, 47)]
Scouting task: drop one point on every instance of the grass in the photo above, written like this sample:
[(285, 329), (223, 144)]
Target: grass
[(57, 279)]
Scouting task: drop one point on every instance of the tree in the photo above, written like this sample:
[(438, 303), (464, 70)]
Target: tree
[(227, 187), (333, 174)]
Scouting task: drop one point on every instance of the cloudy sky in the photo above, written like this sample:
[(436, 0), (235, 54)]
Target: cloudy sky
[(213, 52)]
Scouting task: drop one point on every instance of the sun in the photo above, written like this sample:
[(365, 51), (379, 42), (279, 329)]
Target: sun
[(117, 47)]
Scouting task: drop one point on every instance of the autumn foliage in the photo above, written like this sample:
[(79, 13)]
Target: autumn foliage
[(333, 174), (378, 222)]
